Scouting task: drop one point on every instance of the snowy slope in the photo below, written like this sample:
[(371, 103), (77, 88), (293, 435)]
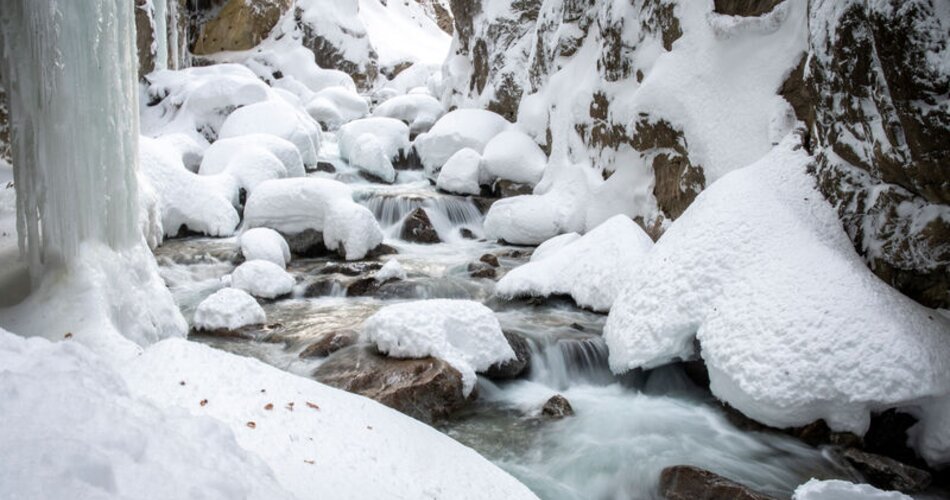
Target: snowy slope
[(401, 31)]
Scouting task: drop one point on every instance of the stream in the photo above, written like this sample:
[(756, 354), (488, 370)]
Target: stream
[(626, 429)]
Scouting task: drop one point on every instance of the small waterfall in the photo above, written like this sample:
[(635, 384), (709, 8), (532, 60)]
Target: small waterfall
[(560, 363), (447, 213)]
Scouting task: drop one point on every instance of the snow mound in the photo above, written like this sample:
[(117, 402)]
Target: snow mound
[(592, 269), (551, 246), (463, 333), (514, 156), (368, 156), (261, 243), (203, 203), (392, 134), (522, 220), (461, 172), (842, 490), (391, 270), (319, 441), (334, 106), (78, 432), (222, 152), (262, 278), (419, 111), (278, 118), (462, 128), (293, 205), (351, 229), (228, 309), (793, 326), (299, 73), (402, 31)]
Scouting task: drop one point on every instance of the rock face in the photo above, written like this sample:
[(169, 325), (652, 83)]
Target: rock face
[(338, 41), (426, 389), (240, 25), (418, 228), (144, 37), (685, 482), (887, 473)]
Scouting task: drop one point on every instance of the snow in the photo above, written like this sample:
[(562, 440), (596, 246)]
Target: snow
[(278, 118), (203, 203), (793, 327), (292, 206), (334, 106), (463, 333), (930, 436), (285, 55), (514, 156), (218, 157), (401, 31), (462, 128), (592, 269), (262, 278), (522, 220), (368, 156), (228, 309), (261, 243), (392, 134), (551, 246), (392, 270), (836, 489), (73, 429), (351, 229), (419, 111), (460, 174)]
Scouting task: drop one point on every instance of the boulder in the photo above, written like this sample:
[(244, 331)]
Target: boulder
[(515, 367), (427, 389), (362, 287), (418, 228), (490, 259), (329, 343), (240, 25), (685, 482), (887, 473), (479, 269), (323, 288), (557, 407), (350, 268), (308, 243)]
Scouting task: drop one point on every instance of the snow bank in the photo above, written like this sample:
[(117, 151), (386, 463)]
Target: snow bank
[(295, 64), (368, 156), (278, 118), (514, 156), (334, 106), (228, 309), (461, 172), (552, 245), (223, 152), (265, 244), (319, 441), (462, 128), (392, 134), (391, 270), (592, 269), (842, 490), (351, 229), (203, 203), (293, 205), (419, 111), (72, 429), (463, 333), (401, 31), (793, 326), (262, 278)]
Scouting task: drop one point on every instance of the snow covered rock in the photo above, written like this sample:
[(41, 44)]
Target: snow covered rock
[(351, 229), (522, 220), (293, 205), (228, 309), (461, 173), (419, 111), (367, 155), (408, 31), (262, 278), (334, 106), (392, 135), (551, 246), (392, 270), (261, 243), (219, 156), (462, 128), (463, 333), (836, 489), (278, 118), (514, 156), (593, 269), (793, 327)]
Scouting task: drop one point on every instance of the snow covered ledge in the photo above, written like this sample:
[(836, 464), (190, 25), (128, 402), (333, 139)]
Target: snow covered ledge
[(793, 326)]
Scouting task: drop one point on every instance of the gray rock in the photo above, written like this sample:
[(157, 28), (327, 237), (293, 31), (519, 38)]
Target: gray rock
[(418, 228), (557, 408), (685, 482), (516, 367), (886, 473)]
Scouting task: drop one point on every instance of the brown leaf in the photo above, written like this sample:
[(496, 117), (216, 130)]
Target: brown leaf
[(269, 406), (203, 402), (290, 406), (252, 425), (311, 405), (68, 336), (311, 462)]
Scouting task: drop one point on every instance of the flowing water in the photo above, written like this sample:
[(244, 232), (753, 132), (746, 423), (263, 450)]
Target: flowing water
[(626, 429)]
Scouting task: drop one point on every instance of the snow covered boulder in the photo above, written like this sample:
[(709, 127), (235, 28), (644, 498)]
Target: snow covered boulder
[(261, 243), (219, 156), (262, 278), (522, 220), (513, 156), (292, 206), (227, 310), (368, 156), (592, 269), (836, 489), (793, 327), (419, 111), (334, 106), (463, 333), (392, 270), (462, 128), (276, 117), (392, 135), (460, 174), (551, 246), (351, 230)]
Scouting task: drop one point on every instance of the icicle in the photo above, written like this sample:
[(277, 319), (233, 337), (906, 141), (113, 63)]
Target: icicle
[(160, 20)]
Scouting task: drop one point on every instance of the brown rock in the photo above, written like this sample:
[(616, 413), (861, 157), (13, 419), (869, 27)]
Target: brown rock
[(557, 407), (322, 288), (685, 482), (240, 25), (515, 367), (427, 389), (350, 268), (886, 473), (308, 243), (329, 343), (418, 228), (362, 287), (489, 259), (467, 234)]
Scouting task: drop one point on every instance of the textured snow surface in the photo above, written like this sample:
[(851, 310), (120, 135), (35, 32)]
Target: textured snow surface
[(513, 155), (843, 490), (592, 269), (368, 156), (262, 278), (463, 333), (391, 270), (265, 244), (462, 128), (522, 220), (73, 429), (293, 205), (228, 309), (351, 229), (793, 326), (278, 118), (334, 106), (552, 245), (392, 134), (319, 441), (220, 155), (461, 173), (419, 111)]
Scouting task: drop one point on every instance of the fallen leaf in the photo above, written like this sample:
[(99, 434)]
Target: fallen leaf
[(311, 405), (290, 406), (370, 427), (68, 336), (269, 406), (203, 402), (252, 425), (311, 462), (181, 383)]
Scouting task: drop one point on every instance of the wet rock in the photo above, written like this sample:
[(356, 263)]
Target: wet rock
[(748, 8), (481, 270), (467, 234), (350, 268), (324, 166), (239, 25), (482, 203), (816, 433), (886, 473), (308, 243), (330, 343), (515, 367), (362, 287), (489, 259), (557, 407), (685, 482), (506, 189), (418, 228), (380, 250), (427, 389), (322, 288)]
